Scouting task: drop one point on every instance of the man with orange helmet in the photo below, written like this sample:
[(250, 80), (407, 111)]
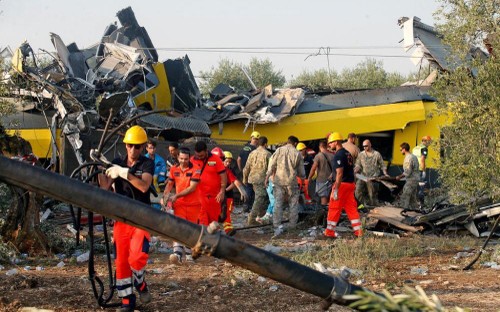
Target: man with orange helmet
[(132, 177), (342, 196)]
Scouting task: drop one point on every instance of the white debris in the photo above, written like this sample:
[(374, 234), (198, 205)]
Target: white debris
[(419, 270), (463, 254), (272, 248), (261, 279), (60, 264), (11, 272), (273, 288), (320, 267), (84, 257)]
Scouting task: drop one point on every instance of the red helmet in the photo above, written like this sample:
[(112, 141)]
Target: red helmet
[(217, 151)]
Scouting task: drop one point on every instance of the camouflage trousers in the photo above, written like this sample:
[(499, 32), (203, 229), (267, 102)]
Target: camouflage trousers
[(408, 198), (282, 194), (260, 203), (367, 192)]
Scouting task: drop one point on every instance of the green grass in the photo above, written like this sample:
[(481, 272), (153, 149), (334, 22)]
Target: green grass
[(370, 254)]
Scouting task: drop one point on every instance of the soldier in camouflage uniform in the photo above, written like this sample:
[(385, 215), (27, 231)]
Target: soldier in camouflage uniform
[(254, 173), (369, 164), (408, 199), (286, 165)]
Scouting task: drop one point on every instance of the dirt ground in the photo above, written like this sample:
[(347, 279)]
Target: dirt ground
[(215, 285)]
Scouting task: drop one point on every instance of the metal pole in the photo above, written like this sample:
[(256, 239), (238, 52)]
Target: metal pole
[(135, 213)]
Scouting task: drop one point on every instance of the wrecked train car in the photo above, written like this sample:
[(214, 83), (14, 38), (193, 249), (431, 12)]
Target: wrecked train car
[(63, 112)]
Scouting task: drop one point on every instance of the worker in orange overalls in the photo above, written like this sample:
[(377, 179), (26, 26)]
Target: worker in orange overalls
[(186, 204), (212, 186), (342, 196), (232, 181), (131, 176)]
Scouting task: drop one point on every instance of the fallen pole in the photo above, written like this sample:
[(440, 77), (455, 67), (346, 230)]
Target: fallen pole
[(121, 208)]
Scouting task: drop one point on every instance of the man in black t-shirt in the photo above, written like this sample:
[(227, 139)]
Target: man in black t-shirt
[(342, 196), (132, 177)]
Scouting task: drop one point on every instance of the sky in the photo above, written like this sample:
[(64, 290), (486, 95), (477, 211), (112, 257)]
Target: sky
[(285, 32)]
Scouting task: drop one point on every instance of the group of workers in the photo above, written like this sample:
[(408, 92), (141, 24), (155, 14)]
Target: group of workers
[(199, 188)]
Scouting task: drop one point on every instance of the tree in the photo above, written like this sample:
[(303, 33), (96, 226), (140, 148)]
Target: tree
[(469, 95), (366, 75), (19, 209), (229, 72), (369, 74), (317, 80)]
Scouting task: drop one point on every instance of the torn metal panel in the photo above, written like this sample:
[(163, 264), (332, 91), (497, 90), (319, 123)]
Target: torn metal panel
[(187, 95), (185, 124), (363, 98), (425, 42), (392, 216)]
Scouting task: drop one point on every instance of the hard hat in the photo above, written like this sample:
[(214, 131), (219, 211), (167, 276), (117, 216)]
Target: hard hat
[(217, 151), (335, 136), (228, 154), (135, 135), (255, 134), (301, 146), (426, 138)]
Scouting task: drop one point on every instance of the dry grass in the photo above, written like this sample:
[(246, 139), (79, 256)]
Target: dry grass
[(369, 254)]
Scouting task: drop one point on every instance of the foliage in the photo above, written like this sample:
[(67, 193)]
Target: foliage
[(411, 300), (229, 72), (469, 95), (367, 74), (316, 80)]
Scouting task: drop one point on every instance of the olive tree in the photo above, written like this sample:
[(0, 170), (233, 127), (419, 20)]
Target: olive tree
[(261, 72), (469, 95), (367, 74)]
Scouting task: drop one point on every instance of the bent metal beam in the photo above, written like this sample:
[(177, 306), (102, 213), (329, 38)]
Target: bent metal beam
[(121, 208)]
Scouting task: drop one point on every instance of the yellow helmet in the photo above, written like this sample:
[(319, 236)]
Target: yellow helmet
[(135, 135), (255, 134), (228, 154), (335, 136), (301, 146)]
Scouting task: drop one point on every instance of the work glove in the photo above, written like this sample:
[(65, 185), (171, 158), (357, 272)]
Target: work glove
[(335, 194), (117, 171)]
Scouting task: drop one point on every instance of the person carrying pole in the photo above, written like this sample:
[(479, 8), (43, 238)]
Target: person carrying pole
[(131, 176)]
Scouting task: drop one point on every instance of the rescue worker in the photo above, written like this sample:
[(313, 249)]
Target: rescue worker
[(212, 186), (185, 201), (268, 217), (322, 169), (308, 163), (254, 173), (286, 165), (342, 196), (369, 163), (159, 176), (132, 177), (241, 162), (351, 147), (408, 199), (232, 181), (172, 158), (421, 151)]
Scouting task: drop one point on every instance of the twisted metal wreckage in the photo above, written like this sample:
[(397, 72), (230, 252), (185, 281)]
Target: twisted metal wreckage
[(120, 80)]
